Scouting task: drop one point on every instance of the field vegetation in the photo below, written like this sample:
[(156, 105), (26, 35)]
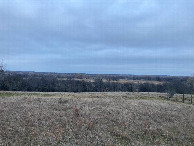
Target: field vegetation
[(111, 118)]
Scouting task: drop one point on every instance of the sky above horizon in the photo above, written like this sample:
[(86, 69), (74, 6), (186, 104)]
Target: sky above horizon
[(153, 37)]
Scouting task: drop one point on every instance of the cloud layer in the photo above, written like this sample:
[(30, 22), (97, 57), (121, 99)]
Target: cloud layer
[(112, 36)]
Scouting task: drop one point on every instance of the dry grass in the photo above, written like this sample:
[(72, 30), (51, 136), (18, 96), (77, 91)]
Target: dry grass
[(94, 119), (136, 81), (119, 81)]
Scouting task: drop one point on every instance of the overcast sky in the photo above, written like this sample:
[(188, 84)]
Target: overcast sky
[(98, 36)]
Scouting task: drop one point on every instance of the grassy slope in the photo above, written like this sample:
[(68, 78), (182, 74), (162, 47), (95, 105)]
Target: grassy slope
[(94, 119)]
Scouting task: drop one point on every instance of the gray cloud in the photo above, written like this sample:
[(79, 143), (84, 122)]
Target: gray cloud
[(120, 36)]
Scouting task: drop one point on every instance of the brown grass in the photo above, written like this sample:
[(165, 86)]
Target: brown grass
[(119, 81), (94, 119)]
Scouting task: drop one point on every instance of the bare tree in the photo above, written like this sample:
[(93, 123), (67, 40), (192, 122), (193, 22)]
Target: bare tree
[(2, 67)]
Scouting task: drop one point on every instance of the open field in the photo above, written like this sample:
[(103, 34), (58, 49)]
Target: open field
[(119, 81), (110, 118)]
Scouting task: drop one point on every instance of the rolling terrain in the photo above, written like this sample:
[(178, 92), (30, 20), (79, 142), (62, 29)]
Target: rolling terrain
[(109, 118)]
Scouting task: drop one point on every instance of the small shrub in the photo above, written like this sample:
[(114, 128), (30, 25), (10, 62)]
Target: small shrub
[(170, 93), (76, 112), (62, 101)]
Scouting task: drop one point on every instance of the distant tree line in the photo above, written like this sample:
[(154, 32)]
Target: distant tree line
[(53, 83)]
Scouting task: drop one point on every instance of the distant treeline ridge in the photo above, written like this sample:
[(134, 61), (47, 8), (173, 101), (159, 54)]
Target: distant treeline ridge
[(53, 83)]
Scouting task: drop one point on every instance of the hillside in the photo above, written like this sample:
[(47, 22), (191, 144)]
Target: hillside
[(94, 119)]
